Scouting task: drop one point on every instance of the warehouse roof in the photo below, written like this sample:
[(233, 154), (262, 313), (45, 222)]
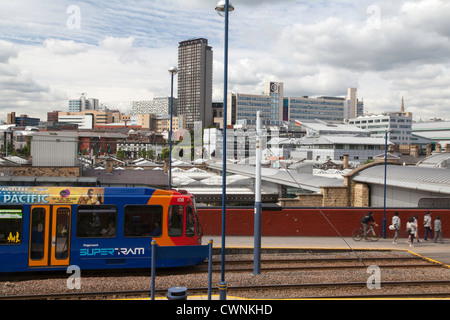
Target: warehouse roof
[(434, 180), (290, 178)]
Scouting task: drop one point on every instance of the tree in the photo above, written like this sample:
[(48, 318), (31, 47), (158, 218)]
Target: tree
[(120, 154), (165, 153)]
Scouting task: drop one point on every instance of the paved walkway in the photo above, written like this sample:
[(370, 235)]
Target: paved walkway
[(429, 249)]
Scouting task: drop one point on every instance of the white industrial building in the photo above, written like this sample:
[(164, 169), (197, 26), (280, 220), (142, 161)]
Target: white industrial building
[(83, 121), (54, 150), (324, 148), (399, 124)]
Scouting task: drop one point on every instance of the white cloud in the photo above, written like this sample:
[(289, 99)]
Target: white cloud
[(64, 47), (123, 49), (7, 50)]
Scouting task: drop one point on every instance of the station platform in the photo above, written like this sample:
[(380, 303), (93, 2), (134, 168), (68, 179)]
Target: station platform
[(439, 252)]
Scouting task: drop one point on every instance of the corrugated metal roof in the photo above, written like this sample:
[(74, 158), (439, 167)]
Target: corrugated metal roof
[(290, 178), (435, 160), (419, 178), (324, 139)]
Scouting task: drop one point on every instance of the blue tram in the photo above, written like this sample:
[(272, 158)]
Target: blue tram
[(50, 228)]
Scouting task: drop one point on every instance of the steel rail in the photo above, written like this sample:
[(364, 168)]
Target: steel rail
[(140, 293), (333, 267), (319, 260)]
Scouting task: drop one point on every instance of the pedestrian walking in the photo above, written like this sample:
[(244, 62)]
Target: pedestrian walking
[(411, 230), (438, 229), (416, 222), (396, 224), (427, 226)]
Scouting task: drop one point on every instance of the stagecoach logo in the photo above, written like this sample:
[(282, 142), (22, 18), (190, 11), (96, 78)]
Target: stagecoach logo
[(92, 252)]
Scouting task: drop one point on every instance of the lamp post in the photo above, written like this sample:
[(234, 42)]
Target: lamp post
[(385, 175), (223, 8), (258, 203), (173, 71)]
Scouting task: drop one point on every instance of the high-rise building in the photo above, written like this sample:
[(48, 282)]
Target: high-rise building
[(83, 104), (353, 107), (195, 77)]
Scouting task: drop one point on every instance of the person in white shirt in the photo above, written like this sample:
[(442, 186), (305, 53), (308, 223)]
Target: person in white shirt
[(411, 229), (427, 226), (396, 224)]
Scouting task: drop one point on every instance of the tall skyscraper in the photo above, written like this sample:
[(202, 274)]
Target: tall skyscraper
[(195, 76)]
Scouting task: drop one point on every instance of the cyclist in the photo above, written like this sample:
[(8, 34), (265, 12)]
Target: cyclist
[(368, 218)]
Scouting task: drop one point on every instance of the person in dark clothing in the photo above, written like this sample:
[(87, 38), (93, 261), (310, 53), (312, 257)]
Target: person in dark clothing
[(368, 218)]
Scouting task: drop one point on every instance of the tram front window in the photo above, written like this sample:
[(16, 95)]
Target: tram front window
[(176, 221)]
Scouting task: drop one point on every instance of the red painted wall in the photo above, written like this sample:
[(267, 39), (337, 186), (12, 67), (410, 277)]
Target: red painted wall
[(310, 222)]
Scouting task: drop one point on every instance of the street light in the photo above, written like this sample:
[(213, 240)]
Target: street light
[(221, 7), (173, 71), (224, 8), (385, 175)]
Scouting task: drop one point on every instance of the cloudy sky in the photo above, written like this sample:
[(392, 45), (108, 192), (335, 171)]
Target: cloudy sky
[(119, 51)]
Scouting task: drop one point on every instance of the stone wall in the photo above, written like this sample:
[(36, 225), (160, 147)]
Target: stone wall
[(303, 200), (41, 171)]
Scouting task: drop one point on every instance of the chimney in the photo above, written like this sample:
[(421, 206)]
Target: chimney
[(438, 147), (345, 161), (403, 106), (414, 150), (428, 149), (447, 147), (109, 165)]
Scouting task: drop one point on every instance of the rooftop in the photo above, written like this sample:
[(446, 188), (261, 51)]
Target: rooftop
[(419, 178)]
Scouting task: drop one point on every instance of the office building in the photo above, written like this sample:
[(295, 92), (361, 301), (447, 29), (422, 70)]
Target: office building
[(24, 121), (83, 104), (328, 109), (242, 107), (276, 108), (195, 71), (399, 122), (156, 106)]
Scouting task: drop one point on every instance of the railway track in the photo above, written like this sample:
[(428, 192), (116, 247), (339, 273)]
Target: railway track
[(323, 264), (332, 278), (124, 294)]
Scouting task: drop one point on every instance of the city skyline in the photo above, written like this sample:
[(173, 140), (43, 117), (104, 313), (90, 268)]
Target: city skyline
[(120, 51)]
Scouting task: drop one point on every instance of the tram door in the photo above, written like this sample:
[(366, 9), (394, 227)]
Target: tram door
[(49, 236)]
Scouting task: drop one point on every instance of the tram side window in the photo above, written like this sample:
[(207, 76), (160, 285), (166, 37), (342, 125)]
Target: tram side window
[(38, 232), (11, 225), (142, 221), (176, 221), (190, 222), (96, 221)]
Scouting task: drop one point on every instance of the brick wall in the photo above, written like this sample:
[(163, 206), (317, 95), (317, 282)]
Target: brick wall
[(335, 197), (361, 195), (310, 222)]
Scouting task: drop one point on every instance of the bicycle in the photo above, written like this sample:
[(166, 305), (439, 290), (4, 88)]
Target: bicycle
[(372, 234)]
